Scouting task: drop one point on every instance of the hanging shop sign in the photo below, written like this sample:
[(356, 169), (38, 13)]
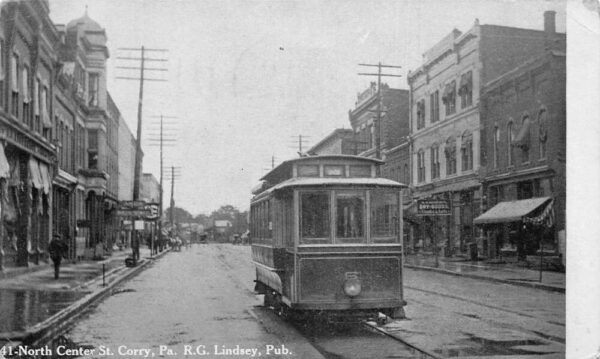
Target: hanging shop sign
[(433, 207)]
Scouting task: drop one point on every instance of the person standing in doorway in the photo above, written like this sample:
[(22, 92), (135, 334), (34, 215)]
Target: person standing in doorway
[(57, 249)]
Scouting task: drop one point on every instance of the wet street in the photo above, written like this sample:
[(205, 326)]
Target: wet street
[(201, 301)]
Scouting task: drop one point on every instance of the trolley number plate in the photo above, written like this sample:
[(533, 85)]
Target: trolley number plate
[(352, 275)]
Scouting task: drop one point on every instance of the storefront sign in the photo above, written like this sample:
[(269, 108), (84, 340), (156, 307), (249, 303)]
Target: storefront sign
[(433, 207)]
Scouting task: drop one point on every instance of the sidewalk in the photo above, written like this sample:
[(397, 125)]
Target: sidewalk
[(33, 304), (504, 273)]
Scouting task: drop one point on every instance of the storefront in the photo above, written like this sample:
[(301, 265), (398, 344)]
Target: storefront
[(517, 229)]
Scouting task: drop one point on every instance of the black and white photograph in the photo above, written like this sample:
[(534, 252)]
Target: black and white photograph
[(299, 179)]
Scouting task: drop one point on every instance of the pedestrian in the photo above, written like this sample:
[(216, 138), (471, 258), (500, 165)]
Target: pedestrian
[(57, 249), (135, 245)]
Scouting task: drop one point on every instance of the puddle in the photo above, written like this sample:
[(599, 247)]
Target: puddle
[(477, 346), (20, 309)]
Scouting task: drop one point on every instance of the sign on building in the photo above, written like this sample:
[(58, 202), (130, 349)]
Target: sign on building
[(433, 207)]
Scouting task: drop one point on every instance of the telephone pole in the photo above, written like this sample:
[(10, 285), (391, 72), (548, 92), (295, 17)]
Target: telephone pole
[(379, 101), (301, 140), (162, 142), (174, 176), (142, 68)]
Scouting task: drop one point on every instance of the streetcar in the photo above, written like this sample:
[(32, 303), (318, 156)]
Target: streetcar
[(326, 238)]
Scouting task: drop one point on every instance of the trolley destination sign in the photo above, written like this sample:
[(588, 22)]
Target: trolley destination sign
[(433, 207)]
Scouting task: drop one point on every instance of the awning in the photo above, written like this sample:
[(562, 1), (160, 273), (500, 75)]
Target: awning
[(34, 174), (522, 139), (4, 167), (513, 211), (46, 182), (546, 218)]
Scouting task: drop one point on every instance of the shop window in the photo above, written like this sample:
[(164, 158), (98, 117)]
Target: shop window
[(384, 215), (435, 162), (525, 190), (450, 153), (314, 210), (350, 213), (421, 166), (467, 152), (434, 99)]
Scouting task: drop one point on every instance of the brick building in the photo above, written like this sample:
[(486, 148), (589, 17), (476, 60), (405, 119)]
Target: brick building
[(446, 120), (394, 123), (340, 141), (27, 151), (524, 152)]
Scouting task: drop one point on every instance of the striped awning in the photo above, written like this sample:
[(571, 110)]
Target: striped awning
[(34, 174), (4, 167), (512, 211)]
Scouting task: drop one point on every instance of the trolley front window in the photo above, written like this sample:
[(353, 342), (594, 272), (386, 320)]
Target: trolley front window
[(384, 216), (315, 217), (350, 216)]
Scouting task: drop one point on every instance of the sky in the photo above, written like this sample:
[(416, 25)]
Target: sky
[(246, 78)]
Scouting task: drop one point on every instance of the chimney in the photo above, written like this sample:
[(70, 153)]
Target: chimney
[(550, 22)]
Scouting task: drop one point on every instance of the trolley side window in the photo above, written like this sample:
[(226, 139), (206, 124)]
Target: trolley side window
[(384, 216), (350, 216), (314, 210)]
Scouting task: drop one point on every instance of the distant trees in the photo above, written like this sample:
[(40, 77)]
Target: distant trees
[(238, 219)]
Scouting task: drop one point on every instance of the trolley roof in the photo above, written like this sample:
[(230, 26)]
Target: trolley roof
[(286, 166), (288, 174)]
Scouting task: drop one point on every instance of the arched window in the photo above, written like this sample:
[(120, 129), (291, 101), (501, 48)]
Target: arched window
[(543, 132), (450, 152), (509, 141), (466, 151)]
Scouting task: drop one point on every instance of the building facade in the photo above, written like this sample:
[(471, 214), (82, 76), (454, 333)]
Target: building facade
[(394, 125), (446, 122), (340, 141), (524, 150), (27, 152), (59, 136)]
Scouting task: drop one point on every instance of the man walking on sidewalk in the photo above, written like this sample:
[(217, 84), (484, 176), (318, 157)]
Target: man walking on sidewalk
[(57, 249)]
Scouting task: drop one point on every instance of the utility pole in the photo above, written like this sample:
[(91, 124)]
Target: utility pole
[(379, 101), (162, 142), (301, 141), (174, 175), (143, 59)]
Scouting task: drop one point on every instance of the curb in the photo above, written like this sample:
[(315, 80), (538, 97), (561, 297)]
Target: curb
[(546, 287), (53, 326)]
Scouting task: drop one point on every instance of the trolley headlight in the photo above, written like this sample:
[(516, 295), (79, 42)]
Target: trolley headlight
[(352, 287)]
